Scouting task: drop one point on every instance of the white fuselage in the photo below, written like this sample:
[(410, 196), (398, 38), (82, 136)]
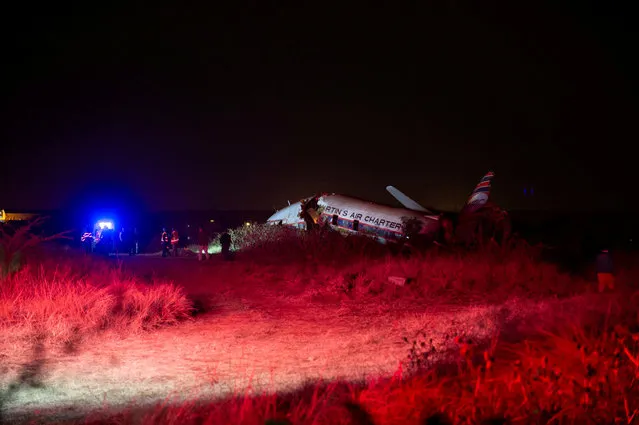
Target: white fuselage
[(356, 215)]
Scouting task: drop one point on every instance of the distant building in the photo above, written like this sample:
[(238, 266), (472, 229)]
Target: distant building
[(5, 216)]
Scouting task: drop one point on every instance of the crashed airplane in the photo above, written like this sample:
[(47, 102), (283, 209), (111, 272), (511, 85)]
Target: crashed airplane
[(383, 222)]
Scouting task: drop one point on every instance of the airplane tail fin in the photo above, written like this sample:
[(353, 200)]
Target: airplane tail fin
[(479, 196)]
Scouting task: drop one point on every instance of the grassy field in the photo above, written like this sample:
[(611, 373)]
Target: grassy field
[(316, 329)]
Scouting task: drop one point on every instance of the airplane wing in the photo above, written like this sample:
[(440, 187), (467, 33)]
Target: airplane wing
[(405, 200)]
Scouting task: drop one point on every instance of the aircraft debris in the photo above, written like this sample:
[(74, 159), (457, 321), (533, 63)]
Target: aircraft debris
[(398, 280)]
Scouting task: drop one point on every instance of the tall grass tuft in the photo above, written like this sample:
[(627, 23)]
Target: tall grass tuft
[(63, 307)]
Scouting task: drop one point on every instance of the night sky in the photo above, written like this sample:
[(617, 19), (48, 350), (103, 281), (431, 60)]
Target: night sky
[(180, 108)]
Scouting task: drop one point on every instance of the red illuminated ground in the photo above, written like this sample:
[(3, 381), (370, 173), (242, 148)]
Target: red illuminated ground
[(270, 328)]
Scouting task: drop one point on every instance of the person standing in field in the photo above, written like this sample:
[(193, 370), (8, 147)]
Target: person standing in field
[(203, 244), (87, 240), (135, 245), (164, 240), (123, 241), (605, 276), (175, 239), (225, 241)]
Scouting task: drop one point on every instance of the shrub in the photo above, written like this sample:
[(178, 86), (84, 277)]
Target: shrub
[(283, 244), (63, 307), (486, 276)]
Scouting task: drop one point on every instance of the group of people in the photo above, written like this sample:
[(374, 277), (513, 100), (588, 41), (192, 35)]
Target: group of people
[(171, 244), (108, 240)]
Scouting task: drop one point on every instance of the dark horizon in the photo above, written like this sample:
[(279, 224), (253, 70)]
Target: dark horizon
[(168, 108)]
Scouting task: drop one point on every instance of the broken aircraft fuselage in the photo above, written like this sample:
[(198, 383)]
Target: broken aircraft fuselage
[(355, 215), (391, 224)]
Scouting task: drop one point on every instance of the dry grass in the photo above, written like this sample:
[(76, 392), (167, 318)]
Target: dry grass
[(282, 244), (328, 264), (63, 309), (16, 241), (584, 373), (64, 303), (495, 336)]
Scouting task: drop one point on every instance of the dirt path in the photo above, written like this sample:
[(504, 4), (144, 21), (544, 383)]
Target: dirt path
[(226, 353)]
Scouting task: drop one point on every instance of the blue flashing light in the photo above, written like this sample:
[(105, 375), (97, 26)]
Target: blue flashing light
[(105, 224)]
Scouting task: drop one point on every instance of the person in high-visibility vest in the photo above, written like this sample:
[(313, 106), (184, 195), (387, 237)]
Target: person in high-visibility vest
[(175, 239)]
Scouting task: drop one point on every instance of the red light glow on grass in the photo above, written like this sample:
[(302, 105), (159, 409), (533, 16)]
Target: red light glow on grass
[(93, 338)]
